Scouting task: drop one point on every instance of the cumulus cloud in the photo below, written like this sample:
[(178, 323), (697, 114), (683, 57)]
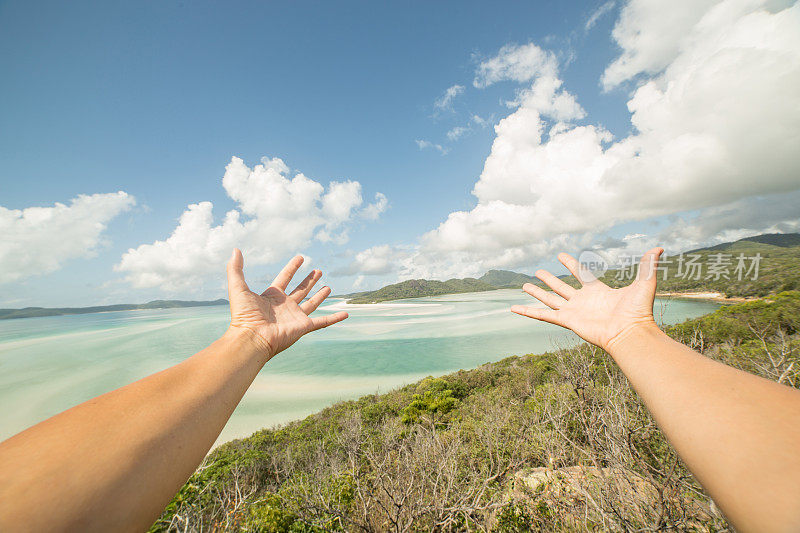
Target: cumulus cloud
[(734, 221), (718, 224), (276, 214), (374, 210), (715, 122), (518, 63), (377, 260), (651, 37), (445, 101), (38, 240)]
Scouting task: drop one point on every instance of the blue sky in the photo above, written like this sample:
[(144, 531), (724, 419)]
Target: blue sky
[(155, 98)]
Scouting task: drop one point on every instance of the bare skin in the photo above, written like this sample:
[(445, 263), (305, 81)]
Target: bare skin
[(114, 462), (738, 433)]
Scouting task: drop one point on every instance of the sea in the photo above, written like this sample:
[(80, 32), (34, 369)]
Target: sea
[(49, 364)]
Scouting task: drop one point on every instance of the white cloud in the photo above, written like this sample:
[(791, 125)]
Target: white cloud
[(716, 121), (480, 121), (633, 236), (517, 63), (38, 240), (725, 223), (445, 101), (276, 214), (374, 210), (456, 133), (598, 13), (425, 145), (743, 218), (651, 36), (373, 261)]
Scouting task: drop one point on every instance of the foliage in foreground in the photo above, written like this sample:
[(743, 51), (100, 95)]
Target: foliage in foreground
[(458, 452)]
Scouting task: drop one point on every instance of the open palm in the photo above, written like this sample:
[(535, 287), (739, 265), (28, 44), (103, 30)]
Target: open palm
[(275, 319), (596, 312)]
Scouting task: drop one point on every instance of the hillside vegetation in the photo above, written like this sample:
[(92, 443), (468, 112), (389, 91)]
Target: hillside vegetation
[(552, 442), (416, 288), (506, 279), (778, 268)]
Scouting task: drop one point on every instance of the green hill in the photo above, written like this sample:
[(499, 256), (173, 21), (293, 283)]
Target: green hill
[(416, 288), (506, 279), (783, 240), (29, 312), (729, 268)]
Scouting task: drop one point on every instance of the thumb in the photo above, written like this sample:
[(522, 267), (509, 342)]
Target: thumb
[(236, 283), (647, 275)]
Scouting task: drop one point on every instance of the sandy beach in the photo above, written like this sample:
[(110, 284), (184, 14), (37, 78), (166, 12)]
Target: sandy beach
[(710, 296)]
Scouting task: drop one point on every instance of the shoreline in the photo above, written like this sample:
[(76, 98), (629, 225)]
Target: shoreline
[(48, 312), (710, 296)]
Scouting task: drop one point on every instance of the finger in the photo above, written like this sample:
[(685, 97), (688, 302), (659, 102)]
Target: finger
[(556, 284), (327, 320), (310, 305), (550, 299), (305, 286), (282, 280), (572, 265), (545, 315), (647, 273), (236, 283)]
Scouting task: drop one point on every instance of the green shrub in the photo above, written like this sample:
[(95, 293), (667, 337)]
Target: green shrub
[(435, 400)]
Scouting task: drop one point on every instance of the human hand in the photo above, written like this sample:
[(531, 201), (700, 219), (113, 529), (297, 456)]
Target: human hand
[(596, 312), (275, 320)]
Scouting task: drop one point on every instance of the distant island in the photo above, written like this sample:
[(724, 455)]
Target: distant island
[(28, 312), (416, 288), (778, 270)]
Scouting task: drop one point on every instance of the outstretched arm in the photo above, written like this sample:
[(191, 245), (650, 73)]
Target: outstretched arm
[(114, 462), (738, 433)]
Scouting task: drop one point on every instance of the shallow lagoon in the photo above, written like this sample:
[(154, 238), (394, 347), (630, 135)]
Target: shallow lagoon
[(49, 364)]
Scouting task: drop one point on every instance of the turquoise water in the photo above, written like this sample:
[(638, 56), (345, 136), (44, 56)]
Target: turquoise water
[(49, 364)]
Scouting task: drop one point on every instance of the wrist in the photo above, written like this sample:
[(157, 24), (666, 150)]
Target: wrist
[(637, 331), (248, 343)]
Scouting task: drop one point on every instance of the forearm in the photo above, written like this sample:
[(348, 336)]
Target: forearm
[(738, 433), (114, 462)]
